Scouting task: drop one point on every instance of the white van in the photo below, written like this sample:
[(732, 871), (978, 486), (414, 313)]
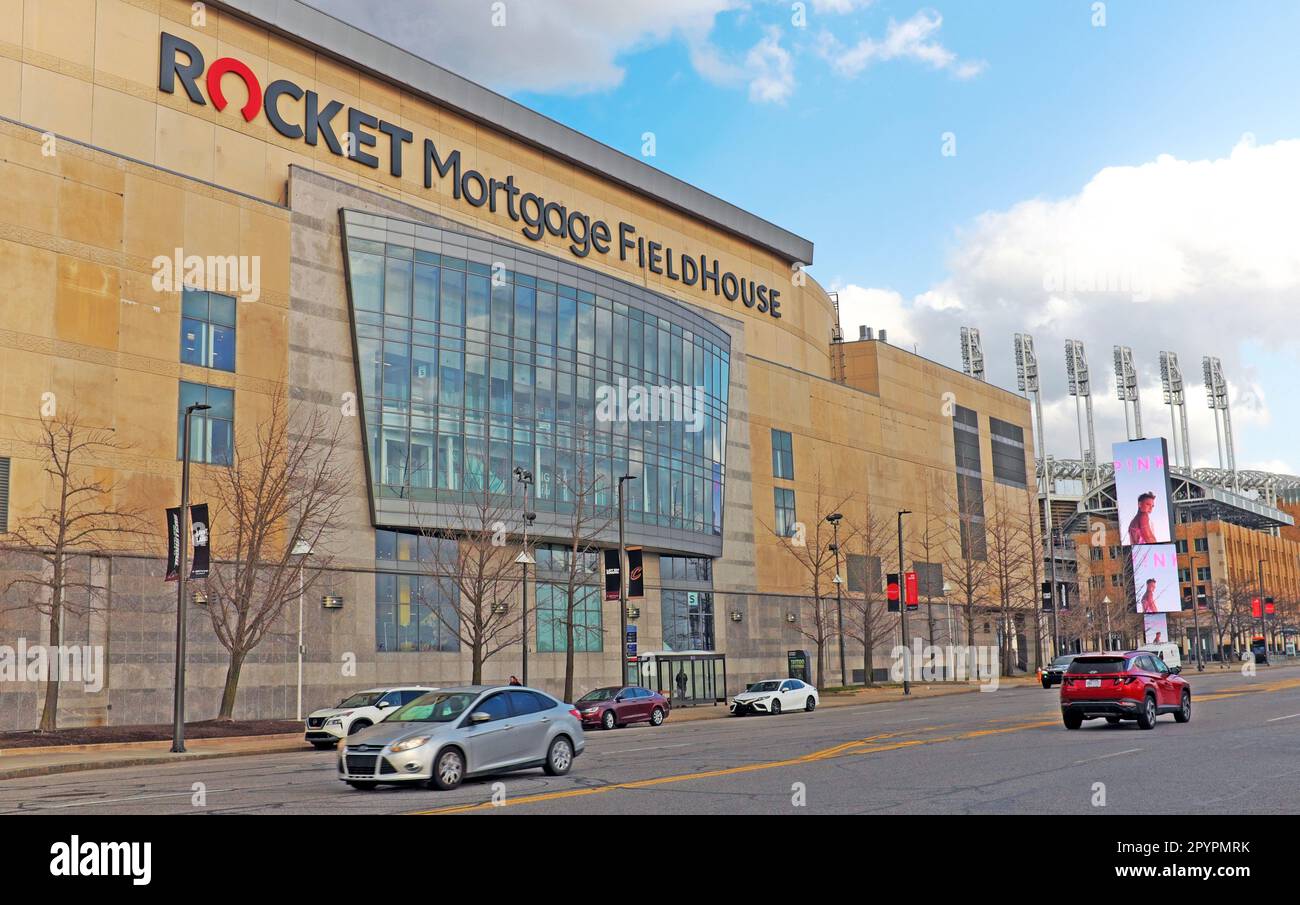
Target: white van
[(1167, 651)]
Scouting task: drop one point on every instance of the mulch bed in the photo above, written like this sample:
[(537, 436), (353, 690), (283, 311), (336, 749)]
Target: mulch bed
[(107, 735)]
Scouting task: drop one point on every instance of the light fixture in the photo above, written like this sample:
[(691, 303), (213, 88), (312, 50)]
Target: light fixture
[(200, 599), (332, 601), (735, 615), (789, 617), (499, 609), (634, 612)]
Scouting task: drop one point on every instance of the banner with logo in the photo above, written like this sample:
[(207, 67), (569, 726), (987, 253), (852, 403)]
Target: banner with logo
[(173, 543), (635, 573), (612, 583), (199, 534)]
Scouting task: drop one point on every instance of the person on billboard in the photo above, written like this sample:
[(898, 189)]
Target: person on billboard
[(1149, 598), (1140, 530)]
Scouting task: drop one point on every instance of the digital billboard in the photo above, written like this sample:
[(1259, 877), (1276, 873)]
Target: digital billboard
[(1142, 492), (1157, 628), (1155, 578)]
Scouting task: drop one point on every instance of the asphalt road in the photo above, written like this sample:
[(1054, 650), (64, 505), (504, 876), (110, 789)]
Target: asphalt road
[(1000, 752)]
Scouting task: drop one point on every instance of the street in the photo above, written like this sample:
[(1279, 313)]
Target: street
[(1004, 752)]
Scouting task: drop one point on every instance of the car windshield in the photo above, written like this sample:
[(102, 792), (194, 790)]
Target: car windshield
[(1096, 665), (1063, 661), (764, 686), (435, 707), (362, 699), (598, 694)]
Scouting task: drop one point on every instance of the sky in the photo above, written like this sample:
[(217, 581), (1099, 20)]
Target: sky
[(1125, 172)]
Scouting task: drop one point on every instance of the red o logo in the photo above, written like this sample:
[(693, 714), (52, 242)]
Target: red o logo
[(229, 64)]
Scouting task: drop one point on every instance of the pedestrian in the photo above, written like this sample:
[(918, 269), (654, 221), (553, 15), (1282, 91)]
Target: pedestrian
[(514, 680), (681, 682)]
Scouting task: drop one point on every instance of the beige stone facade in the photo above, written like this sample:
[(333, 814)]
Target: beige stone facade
[(104, 173)]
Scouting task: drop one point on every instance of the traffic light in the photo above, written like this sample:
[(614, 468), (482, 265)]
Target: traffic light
[(891, 592), (1256, 609), (1269, 609)]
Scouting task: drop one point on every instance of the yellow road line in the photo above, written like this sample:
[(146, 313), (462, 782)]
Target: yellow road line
[(859, 746)]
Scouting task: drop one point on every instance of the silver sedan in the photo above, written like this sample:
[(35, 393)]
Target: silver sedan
[(453, 733)]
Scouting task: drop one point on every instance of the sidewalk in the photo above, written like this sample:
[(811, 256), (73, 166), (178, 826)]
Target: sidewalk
[(16, 763), (881, 694)]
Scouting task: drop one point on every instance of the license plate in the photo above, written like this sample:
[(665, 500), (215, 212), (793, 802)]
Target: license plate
[(1092, 683)]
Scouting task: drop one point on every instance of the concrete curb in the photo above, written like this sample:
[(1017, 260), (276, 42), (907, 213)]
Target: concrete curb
[(152, 743), (280, 747)]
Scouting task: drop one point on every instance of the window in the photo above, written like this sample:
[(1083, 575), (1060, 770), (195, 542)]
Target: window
[(784, 501), (1008, 447), (496, 707), (970, 483), (1202, 545), (413, 610), (1184, 574), (1202, 573), (208, 329), (687, 620), (685, 568), (782, 455), (1114, 580), (392, 699), (1181, 545), (553, 619), (1098, 553), (211, 431), (523, 702)]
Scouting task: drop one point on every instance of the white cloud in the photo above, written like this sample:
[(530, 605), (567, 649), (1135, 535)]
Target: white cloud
[(544, 45), (838, 7), (771, 73), (914, 39), (1193, 256)]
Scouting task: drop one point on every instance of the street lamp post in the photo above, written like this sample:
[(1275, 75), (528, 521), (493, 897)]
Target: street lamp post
[(182, 542), (525, 478), (834, 519), (902, 605), (301, 548), (1196, 609), (1261, 605), (622, 583)]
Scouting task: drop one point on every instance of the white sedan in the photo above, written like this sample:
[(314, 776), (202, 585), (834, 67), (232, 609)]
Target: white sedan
[(774, 696)]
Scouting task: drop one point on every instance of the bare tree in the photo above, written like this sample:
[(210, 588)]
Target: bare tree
[(966, 556), (811, 548), (1006, 546), (83, 519), (873, 538), (474, 578), (283, 489), (930, 542), (583, 497)]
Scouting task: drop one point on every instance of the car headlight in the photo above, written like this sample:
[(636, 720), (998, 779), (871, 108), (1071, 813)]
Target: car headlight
[(334, 722), (410, 743)]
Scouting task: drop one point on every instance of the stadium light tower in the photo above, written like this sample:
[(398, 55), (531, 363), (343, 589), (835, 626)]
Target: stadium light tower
[(1126, 388), (1216, 397), (1076, 373), (1027, 381), (1171, 382), (972, 353)]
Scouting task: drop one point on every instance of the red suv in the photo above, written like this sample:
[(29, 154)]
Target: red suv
[(614, 706), (1123, 685)]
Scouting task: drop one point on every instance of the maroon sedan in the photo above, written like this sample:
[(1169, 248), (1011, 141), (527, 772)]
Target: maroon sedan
[(615, 706)]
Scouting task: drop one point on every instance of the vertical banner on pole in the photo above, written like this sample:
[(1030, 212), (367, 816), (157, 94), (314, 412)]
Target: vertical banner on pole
[(173, 543), (200, 534), (612, 576), (635, 573)]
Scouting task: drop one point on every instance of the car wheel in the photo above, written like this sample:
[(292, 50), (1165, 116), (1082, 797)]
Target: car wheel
[(1072, 720), (1112, 720), (1147, 713), (657, 717), (1047, 683), (811, 704), (363, 786), (776, 708), (448, 769), (323, 746), (1184, 714), (358, 726), (559, 757), (608, 720)]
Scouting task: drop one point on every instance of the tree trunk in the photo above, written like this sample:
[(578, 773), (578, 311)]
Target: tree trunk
[(476, 656), (568, 651), (50, 713), (232, 686), (868, 650)]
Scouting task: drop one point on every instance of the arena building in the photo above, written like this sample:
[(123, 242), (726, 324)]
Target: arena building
[(217, 203)]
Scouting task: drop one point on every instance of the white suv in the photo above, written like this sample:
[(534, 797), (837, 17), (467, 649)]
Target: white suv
[(356, 712)]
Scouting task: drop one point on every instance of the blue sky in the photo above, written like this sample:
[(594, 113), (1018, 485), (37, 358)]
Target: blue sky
[(1110, 147)]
